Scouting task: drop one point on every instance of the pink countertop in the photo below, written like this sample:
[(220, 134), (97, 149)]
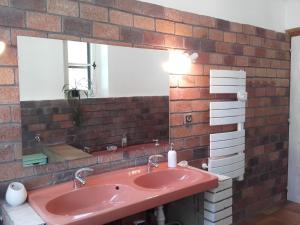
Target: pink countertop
[(114, 195)]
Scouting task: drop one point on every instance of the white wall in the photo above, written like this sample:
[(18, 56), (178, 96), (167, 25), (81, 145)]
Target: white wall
[(137, 72), (292, 18), (41, 68), (262, 13)]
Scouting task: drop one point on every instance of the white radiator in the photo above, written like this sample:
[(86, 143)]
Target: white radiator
[(227, 149), (218, 203)]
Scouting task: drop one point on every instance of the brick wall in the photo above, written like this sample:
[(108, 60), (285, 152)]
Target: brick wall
[(264, 54), (104, 121)]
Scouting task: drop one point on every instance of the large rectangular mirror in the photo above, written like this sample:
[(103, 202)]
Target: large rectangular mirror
[(79, 99)]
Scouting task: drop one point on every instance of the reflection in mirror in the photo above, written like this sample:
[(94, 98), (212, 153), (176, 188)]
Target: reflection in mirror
[(80, 99)]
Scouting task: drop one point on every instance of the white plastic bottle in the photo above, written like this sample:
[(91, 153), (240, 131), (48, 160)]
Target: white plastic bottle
[(172, 157)]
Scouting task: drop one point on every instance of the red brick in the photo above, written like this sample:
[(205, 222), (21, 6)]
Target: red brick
[(223, 47), (190, 18), (63, 7), (207, 45), (196, 69), (143, 22), (176, 119), (12, 17), (200, 32), (215, 59), (22, 32), (7, 76), (202, 81), (203, 58), (41, 21), (237, 49), (178, 132), (36, 5), (7, 152), (200, 105), (9, 57), (260, 52), (5, 35), (243, 39), (283, 74), (180, 106), (222, 25), (38, 181), (14, 170), (9, 95), (149, 9), (78, 27), (256, 41), (121, 18), (193, 43), (236, 27), (248, 29), (185, 155), (151, 38), (173, 80), (15, 112), (165, 26), (242, 61), (184, 93), (216, 35), (249, 51), (172, 41), (183, 30), (5, 116), (61, 117), (65, 37), (173, 15), (10, 133), (206, 21), (92, 12), (36, 127), (261, 32), (229, 37), (131, 36), (229, 60), (106, 31)]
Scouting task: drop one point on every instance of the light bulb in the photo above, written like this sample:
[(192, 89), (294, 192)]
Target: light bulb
[(178, 63)]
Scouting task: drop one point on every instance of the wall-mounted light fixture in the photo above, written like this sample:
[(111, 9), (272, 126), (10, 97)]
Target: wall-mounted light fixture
[(179, 62), (2, 47)]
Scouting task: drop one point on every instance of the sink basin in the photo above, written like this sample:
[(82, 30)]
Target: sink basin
[(164, 178), (87, 200), (114, 195)]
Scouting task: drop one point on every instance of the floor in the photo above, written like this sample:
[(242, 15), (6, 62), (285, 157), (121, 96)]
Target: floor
[(288, 214)]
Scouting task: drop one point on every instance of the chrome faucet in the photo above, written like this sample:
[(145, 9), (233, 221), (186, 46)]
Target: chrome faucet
[(80, 177), (153, 164)]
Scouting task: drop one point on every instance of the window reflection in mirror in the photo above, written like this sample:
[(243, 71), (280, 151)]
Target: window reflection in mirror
[(81, 99)]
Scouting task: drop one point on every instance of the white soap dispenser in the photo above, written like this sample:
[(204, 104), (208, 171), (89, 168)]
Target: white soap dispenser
[(172, 157)]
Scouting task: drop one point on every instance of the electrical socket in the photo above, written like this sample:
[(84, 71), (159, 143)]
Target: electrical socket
[(188, 118)]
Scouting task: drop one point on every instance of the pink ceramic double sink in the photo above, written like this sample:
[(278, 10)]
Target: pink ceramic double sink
[(114, 195)]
